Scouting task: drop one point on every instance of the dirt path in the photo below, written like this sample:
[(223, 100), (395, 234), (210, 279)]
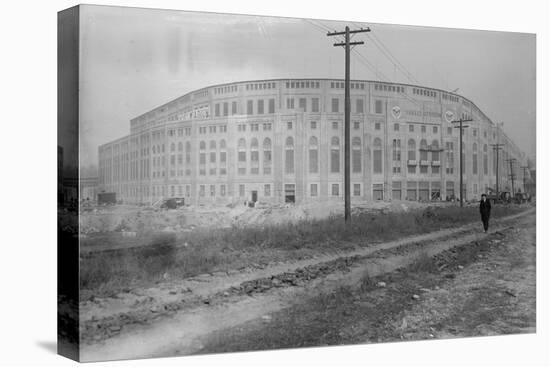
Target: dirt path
[(177, 315), (485, 287)]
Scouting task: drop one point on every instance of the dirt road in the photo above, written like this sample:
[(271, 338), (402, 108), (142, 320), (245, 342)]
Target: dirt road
[(189, 316)]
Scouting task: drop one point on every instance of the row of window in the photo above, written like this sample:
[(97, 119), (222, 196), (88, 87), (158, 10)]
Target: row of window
[(389, 88), (226, 89), (260, 86), (448, 97), (212, 129), (303, 84), (424, 92), (341, 85)]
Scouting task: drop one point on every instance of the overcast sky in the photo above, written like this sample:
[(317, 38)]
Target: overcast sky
[(133, 60)]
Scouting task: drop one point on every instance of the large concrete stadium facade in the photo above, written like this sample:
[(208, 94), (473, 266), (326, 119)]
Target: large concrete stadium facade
[(282, 140)]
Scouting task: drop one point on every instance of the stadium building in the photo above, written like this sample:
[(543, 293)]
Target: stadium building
[(282, 141)]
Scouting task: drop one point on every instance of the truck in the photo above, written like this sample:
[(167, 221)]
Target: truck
[(502, 197), (106, 198)]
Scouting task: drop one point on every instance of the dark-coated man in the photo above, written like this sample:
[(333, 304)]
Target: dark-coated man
[(485, 211)]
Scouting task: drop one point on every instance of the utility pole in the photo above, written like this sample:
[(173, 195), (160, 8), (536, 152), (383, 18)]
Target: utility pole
[(347, 181), (525, 169), (496, 148), (461, 127), (512, 175)]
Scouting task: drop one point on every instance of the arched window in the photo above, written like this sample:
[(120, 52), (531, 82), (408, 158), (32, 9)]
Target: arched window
[(435, 150), (202, 145), (289, 155), (411, 148), (335, 155), (435, 156), (254, 156), (187, 152), (474, 158), (223, 154), (463, 157), (254, 143), (485, 160), (377, 155), (154, 150), (172, 147), (313, 155), (241, 147), (180, 147), (212, 144), (267, 156), (356, 154), (423, 150)]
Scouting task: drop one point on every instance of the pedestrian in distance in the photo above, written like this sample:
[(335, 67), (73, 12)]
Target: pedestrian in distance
[(485, 211)]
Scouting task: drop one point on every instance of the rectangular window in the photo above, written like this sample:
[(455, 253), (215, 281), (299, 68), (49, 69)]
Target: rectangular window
[(335, 160), (356, 189), (289, 103), (217, 109), (260, 107), (423, 128), (212, 157), (335, 125), (212, 190), (313, 125), (289, 161), (225, 108), (356, 160), (289, 125), (313, 190), (335, 190), (378, 106), (376, 126), (313, 160), (223, 157), (359, 106), (435, 129), (449, 131), (222, 190), (377, 158), (242, 156), (315, 105), (335, 104), (249, 107), (272, 105), (302, 104), (267, 190), (241, 190), (233, 108), (201, 190), (411, 128)]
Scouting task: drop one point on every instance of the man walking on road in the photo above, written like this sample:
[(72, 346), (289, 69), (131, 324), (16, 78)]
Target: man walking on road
[(485, 211)]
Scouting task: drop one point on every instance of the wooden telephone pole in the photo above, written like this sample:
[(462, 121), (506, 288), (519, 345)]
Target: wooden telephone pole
[(461, 127), (347, 44), (525, 169), (512, 175), (496, 148)]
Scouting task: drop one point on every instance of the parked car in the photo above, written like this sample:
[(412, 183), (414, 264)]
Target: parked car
[(173, 203)]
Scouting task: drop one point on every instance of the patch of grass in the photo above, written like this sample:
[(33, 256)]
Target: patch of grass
[(423, 263), (232, 248)]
